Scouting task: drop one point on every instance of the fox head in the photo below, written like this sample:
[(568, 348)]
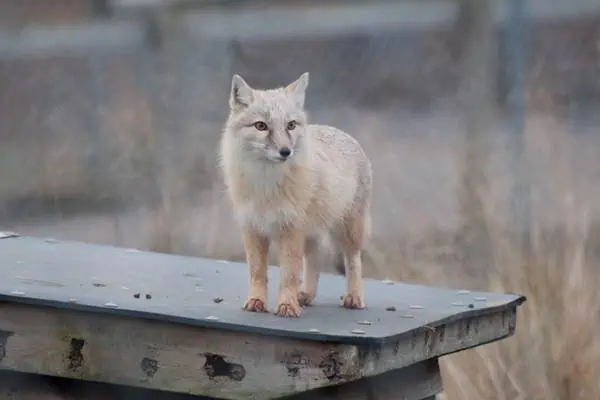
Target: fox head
[(269, 124)]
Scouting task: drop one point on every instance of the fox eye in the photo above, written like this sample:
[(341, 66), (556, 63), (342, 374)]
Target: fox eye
[(291, 125), (260, 125)]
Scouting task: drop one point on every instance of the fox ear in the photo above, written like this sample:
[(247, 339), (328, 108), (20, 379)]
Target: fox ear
[(241, 92), (297, 89)]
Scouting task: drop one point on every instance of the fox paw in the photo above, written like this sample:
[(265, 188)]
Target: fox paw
[(305, 298), (288, 309), (353, 301), (254, 304)]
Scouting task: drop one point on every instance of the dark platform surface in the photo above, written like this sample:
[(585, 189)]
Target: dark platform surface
[(107, 279)]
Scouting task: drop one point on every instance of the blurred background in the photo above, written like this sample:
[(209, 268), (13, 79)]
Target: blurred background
[(480, 117)]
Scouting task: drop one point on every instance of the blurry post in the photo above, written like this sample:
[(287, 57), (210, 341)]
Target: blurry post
[(516, 42), (476, 99)]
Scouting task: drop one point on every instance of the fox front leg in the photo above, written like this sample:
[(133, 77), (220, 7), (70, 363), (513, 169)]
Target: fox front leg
[(256, 247), (292, 251)]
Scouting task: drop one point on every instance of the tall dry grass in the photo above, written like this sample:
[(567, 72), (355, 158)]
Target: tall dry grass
[(554, 353)]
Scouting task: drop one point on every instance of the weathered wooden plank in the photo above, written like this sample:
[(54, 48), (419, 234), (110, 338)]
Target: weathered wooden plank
[(158, 355), (104, 279), (421, 381), (21, 386), (411, 383), (106, 314)]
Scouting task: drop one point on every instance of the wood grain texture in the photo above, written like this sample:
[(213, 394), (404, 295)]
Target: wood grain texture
[(115, 281), (147, 320), (186, 359), (155, 355), (419, 381)]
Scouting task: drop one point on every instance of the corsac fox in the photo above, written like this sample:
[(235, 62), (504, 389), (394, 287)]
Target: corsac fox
[(293, 182)]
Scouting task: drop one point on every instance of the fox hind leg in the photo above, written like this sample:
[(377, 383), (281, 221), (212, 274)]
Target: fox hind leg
[(351, 240), (311, 272)]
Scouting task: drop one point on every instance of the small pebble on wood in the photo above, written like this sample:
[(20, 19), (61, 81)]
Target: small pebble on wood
[(7, 235)]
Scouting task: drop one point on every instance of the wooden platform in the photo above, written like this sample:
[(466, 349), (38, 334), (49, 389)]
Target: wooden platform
[(173, 323)]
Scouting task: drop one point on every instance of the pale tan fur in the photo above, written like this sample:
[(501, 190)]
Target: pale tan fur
[(322, 188)]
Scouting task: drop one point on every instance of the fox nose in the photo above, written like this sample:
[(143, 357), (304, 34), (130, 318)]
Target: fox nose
[(285, 152)]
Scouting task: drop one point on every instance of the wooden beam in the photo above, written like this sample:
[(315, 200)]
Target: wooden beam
[(157, 321), (318, 21), (89, 37)]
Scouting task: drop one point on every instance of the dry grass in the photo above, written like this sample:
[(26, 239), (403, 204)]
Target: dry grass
[(556, 351), (554, 354)]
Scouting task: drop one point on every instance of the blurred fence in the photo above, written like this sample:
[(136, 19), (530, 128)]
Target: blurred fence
[(112, 107)]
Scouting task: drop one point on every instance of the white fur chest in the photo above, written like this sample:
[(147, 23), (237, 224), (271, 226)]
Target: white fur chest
[(260, 199), (266, 219)]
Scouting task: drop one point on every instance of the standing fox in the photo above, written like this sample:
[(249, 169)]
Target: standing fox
[(293, 182)]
